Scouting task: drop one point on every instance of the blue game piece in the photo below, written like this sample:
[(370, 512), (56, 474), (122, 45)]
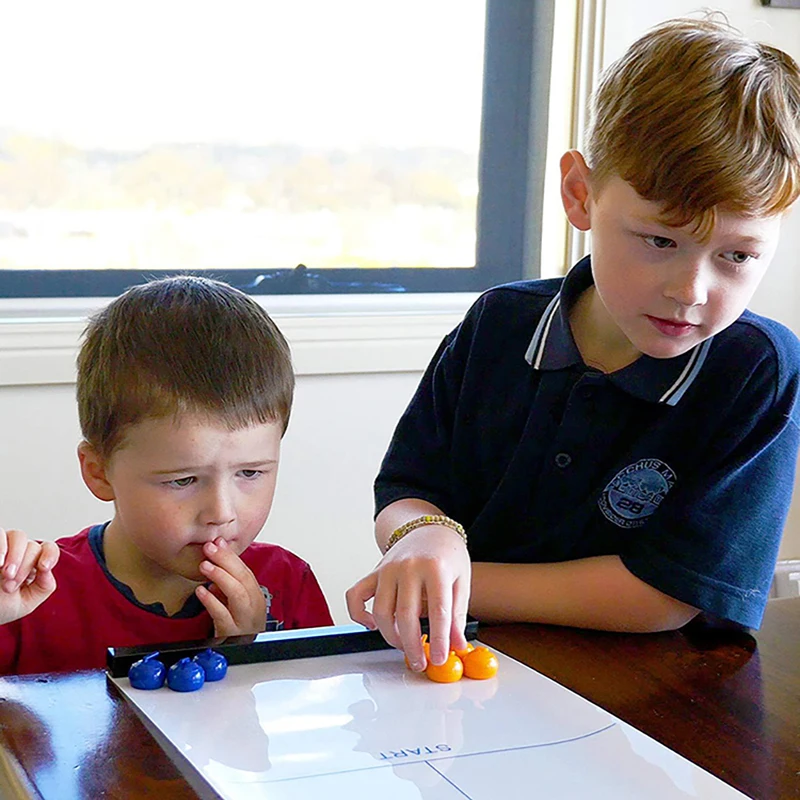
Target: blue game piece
[(214, 665), (185, 676), (147, 673)]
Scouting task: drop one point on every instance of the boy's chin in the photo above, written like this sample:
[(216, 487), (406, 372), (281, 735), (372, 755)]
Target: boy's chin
[(191, 572), (663, 353), (670, 348)]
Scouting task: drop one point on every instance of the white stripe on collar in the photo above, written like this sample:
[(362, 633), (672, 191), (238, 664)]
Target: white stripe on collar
[(536, 348), (686, 378)]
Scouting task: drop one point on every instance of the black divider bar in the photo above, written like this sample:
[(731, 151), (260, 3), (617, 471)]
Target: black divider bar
[(261, 647)]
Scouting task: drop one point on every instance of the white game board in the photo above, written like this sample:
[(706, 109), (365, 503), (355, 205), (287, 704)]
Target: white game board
[(362, 726)]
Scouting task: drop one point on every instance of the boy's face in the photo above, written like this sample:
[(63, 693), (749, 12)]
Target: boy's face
[(179, 484), (661, 290)]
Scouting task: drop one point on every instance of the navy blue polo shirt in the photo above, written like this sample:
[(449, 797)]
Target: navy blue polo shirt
[(683, 467)]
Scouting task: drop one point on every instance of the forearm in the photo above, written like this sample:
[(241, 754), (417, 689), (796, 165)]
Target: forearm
[(597, 593)]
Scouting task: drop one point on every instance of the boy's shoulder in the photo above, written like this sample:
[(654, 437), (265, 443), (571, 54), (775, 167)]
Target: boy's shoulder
[(75, 546), (784, 340), (757, 360), (529, 292), (512, 306), (753, 338)]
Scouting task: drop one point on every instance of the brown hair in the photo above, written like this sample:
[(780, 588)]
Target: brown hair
[(696, 117), (178, 345)]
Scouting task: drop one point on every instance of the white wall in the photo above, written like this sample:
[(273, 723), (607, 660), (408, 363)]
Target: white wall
[(779, 294)]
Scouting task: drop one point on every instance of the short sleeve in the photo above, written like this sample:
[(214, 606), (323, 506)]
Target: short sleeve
[(714, 541)]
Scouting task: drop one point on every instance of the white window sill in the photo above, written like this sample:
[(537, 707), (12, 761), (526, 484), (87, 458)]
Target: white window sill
[(328, 334)]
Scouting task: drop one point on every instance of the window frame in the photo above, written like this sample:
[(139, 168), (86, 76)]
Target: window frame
[(511, 168)]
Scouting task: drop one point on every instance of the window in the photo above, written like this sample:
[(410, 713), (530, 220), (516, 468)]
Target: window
[(300, 146)]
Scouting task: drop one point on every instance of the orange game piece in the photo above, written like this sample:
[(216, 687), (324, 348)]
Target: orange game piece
[(461, 653), (480, 664), (449, 672)]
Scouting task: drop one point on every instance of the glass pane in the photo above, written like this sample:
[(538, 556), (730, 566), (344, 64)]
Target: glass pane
[(252, 134)]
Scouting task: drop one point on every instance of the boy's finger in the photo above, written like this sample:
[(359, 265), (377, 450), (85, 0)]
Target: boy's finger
[(28, 562), (458, 641), (356, 598), (218, 610), (407, 614), (221, 616), (412, 647), (37, 591), (49, 556), (384, 607), (20, 565), (245, 602), (440, 619), (16, 544), (45, 582), (220, 553), (216, 591), (230, 586), (3, 547)]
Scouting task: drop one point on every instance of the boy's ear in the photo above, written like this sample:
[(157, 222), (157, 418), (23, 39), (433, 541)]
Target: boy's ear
[(575, 189), (93, 472)]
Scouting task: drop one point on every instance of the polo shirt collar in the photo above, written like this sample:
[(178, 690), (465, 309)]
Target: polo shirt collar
[(658, 380)]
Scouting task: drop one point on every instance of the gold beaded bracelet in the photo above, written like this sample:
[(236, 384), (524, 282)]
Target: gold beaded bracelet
[(425, 519)]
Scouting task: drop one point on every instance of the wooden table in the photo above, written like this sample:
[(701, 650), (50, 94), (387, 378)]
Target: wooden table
[(725, 700)]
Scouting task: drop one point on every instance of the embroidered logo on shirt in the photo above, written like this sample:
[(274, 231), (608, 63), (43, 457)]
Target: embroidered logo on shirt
[(636, 492)]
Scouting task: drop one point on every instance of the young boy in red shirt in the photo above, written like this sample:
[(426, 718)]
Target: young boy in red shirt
[(184, 392)]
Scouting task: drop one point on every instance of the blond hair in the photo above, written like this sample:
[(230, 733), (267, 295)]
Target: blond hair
[(696, 117), (181, 345)]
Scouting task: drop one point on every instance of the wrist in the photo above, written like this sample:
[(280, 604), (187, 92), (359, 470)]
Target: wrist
[(423, 521)]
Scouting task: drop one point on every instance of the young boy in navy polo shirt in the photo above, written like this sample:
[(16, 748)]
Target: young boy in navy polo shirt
[(184, 391), (616, 449)]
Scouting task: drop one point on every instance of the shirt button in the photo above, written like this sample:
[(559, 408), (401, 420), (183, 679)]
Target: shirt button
[(563, 460)]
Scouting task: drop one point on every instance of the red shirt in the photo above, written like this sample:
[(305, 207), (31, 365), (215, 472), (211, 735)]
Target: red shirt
[(90, 610)]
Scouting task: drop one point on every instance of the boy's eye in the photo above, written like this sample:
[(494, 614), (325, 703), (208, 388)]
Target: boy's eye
[(250, 473), (659, 242), (181, 482), (737, 256)]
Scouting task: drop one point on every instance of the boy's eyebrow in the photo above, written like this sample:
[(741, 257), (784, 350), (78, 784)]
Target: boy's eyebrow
[(747, 239), (744, 238), (266, 462)]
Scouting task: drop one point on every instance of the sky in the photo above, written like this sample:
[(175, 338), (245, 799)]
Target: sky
[(126, 74)]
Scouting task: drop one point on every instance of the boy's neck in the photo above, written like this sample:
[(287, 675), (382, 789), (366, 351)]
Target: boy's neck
[(601, 343), (148, 585)]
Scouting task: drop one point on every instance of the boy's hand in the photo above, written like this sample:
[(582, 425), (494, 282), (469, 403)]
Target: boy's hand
[(235, 600), (426, 573), (26, 574)]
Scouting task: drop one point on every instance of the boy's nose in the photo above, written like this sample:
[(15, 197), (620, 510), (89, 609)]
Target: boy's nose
[(218, 508), (688, 287)]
